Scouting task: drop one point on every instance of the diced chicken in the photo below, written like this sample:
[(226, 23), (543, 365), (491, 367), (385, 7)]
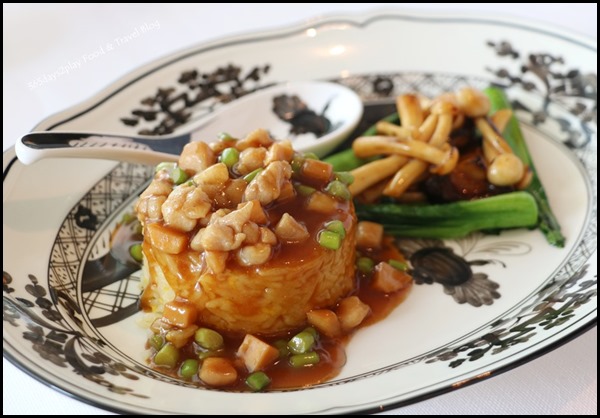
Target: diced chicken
[(266, 186), (351, 312), (172, 210), (250, 160), (158, 187), (325, 321), (219, 146), (252, 232), (197, 204), (217, 371), (219, 237), (257, 138), (267, 236), (149, 208), (180, 337), (166, 239), (322, 203), (237, 218), (369, 235), (388, 279), (254, 255), (256, 354), (258, 214), (279, 151), (196, 157), (216, 261), (289, 229)]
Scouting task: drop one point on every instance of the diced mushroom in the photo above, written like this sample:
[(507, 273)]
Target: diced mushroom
[(180, 313), (369, 235), (388, 279), (216, 261), (256, 354), (165, 239), (322, 203), (316, 171), (180, 337), (289, 229), (217, 371), (257, 215), (325, 321), (351, 312)]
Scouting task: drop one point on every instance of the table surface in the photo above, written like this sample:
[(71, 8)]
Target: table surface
[(40, 38)]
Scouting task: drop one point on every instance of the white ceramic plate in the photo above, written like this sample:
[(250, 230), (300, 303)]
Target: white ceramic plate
[(83, 337)]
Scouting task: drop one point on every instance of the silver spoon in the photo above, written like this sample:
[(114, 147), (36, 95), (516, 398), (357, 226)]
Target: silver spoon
[(333, 103)]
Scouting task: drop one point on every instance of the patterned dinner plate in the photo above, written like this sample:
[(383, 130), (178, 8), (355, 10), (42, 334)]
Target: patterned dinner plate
[(70, 306)]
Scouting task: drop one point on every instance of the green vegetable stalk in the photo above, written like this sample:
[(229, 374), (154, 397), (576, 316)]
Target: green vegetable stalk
[(548, 223), (453, 220)]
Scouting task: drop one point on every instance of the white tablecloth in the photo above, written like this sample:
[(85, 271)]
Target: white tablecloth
[(40, 38)]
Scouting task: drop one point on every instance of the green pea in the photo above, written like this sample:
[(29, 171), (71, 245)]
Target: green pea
[(165, 165), (304, 359), (296, 163), (250, 176), (337, 227), (301, 343), (338, 189), (230, 157), (167, 356), (258, 381), (330, 240), (365, 265), (224, 136), (209, 339), (156, 341), (398, 265), (178, 176), (135, 251), (189, 368), (345, 177), (305, 190), (311, 156), (281, 345)]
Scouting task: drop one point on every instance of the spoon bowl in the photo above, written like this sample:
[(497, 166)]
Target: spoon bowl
[(316, 116)]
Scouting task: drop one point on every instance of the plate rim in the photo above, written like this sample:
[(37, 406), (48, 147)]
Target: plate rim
[(361, 19)]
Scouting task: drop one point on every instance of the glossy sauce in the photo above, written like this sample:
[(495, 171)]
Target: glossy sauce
[(331, 350)]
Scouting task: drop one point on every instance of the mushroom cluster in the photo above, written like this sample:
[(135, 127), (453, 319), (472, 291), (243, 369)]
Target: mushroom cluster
[(421, 144)]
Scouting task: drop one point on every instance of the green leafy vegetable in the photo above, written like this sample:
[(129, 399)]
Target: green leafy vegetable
[(453, 220), (548, 223)]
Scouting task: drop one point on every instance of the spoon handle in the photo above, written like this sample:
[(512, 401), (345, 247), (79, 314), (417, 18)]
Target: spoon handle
[(38, 145)]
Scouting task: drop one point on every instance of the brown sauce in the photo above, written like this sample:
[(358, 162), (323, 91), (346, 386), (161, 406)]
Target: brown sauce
[(331, 350)]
